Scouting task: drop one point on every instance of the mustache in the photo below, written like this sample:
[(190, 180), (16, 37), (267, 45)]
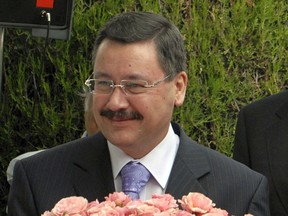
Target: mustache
[(121, 114)]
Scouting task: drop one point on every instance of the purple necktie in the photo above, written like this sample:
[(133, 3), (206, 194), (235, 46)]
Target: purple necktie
[(134, 178)]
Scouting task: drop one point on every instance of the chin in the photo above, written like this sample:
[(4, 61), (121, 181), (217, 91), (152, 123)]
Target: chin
[(122, 138)]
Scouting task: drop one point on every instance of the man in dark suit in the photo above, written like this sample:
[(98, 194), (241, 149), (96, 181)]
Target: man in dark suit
[(139, 77), (261, 142)]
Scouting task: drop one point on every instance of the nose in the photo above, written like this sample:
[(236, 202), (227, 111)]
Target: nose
[(120, 86), (117, 99)]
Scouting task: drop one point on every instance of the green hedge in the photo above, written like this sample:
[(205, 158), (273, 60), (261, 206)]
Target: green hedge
[(237, 53)]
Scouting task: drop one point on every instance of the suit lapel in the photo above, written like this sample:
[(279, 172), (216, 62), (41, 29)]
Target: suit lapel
[(93, 178), (277, 148), (190, 164)]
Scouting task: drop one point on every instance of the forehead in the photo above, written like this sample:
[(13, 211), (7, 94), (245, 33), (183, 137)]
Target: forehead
[(127, 59)]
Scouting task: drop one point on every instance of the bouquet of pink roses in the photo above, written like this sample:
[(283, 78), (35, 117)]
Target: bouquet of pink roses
[(119, 204)]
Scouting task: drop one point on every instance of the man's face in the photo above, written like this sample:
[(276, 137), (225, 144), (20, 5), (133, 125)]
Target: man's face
[(135, 123)]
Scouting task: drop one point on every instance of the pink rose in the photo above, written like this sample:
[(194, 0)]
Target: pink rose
[(162, 202), (216, 212), (146, 210), (97, 207), (172, 213), (106, 208), (47, 213), (140, 208), (184, 213), (93, 203), (70, 206), (119, 198), (106, 211), (134, 204), (196, 203)]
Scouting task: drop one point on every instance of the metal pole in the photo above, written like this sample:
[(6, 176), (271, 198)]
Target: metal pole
[(1, 57)]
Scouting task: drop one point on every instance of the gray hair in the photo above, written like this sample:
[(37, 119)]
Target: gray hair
[(140, 26)]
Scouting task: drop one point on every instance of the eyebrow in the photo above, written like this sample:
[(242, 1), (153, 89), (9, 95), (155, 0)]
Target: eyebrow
[(105, 75), (100, 74)]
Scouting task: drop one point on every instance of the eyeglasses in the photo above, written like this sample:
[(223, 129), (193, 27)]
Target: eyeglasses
[(128, 86)]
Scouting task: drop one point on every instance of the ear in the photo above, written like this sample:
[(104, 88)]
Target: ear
[(181, 81)]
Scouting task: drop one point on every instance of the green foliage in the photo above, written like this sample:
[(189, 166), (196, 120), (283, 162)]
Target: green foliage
[(237, 53)]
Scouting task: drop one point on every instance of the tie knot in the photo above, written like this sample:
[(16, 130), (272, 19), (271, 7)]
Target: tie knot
[(134, 178)]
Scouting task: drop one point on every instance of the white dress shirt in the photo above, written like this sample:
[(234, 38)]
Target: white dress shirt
[(159, 162)]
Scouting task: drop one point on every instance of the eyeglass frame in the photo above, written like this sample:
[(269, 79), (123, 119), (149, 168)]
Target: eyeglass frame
[(123, 86)]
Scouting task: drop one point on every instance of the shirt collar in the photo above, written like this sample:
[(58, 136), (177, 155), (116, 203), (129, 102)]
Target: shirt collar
[(159, 161)]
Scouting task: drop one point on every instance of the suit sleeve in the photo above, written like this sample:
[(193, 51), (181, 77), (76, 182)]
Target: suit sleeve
[(20, 200), (240, 149), (259, 204)]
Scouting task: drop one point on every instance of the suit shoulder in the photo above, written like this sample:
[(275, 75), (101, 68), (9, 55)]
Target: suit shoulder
[(69, 149), (271, 103), (220, 161)]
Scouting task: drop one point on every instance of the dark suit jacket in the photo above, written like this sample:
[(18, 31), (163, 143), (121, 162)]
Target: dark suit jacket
[(83, 168), (261, 142)]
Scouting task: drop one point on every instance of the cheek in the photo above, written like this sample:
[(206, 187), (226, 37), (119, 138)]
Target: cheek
[(162, 103), (164, 97), (169, 97), (99, 101), (98, 105)]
